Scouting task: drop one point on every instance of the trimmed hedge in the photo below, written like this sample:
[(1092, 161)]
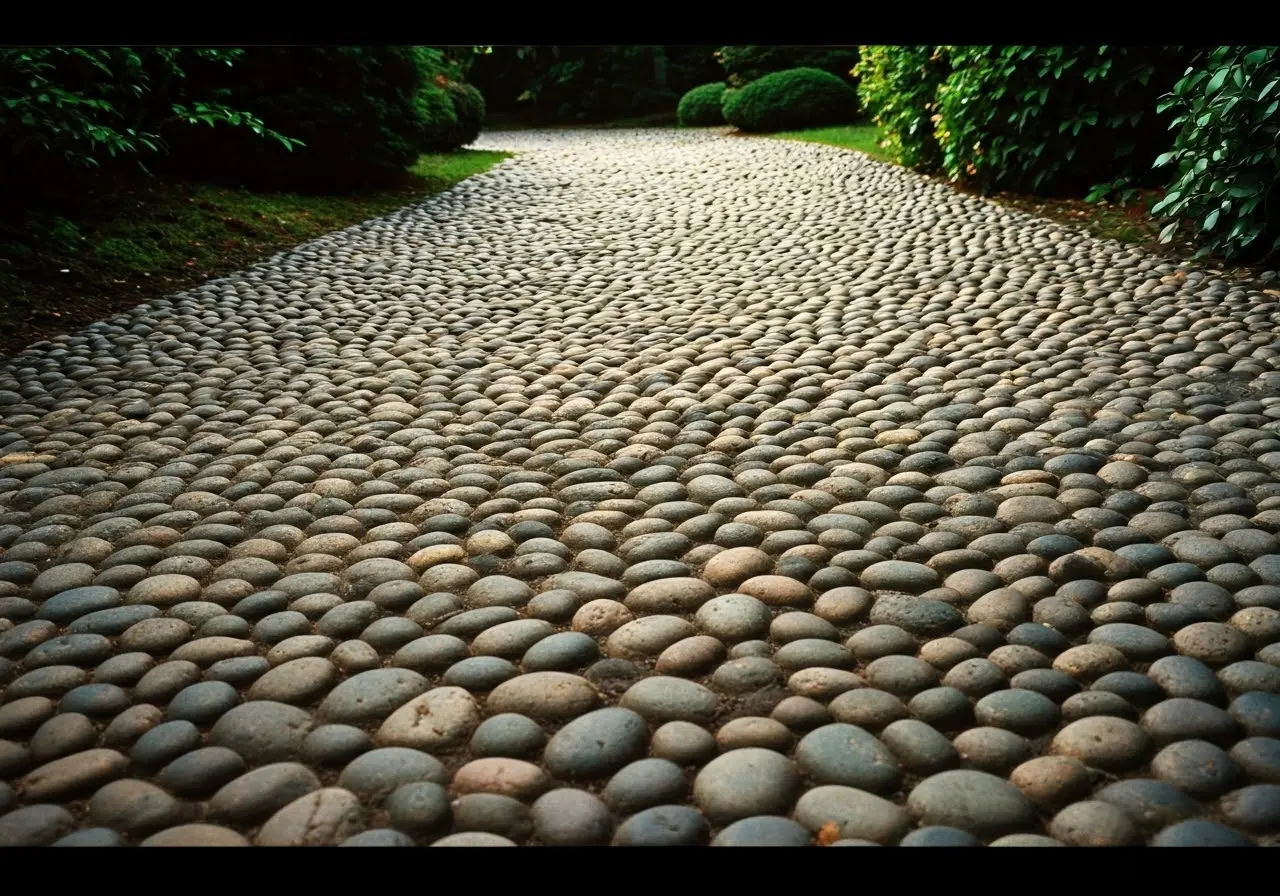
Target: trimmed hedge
[(438, 118), (1226, 113), (744, 64), (897, 87), (701, 106), (1054, 120), (798, 98), (468, 107)]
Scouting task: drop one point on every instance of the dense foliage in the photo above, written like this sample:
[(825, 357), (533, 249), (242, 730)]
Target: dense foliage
[(549, 84), (744, 64), (1053, 120), (897, 87), (468, 107), (1227, 152), (798, 98), (701, 106), (65, 111), (357, 110)]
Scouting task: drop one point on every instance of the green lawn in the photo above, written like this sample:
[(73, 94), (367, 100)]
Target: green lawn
[(147, 238), (862, 137)]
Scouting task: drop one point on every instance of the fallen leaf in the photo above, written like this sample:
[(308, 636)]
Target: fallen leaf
[(827, 834), (1271, 292)]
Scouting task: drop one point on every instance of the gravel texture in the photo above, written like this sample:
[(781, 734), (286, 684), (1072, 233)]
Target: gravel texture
[(654, 488)]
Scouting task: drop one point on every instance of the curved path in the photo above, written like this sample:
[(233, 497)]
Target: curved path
[(653, 487)]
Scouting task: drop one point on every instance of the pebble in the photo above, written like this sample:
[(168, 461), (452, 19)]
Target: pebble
[(544, 696), (1104, 742), (1255, 808), (643, 784), (663, 826), (72, 775), (324, 817), (439, 719), (855, 814), (1052, 782), (508, 734), (974, 801), (763, 830), (200, 772), (1200, 832), (1196, 767), (848, 755), (596, 744), (256, 795), (567, 817), (35, 825), (508, 777), (1152, 805), (373, 775), (1094, 823), (420, 808), (684, 743), (664, 699)]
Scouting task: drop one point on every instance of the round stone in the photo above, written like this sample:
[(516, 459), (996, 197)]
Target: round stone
[(1104, 742), (848, 755), (973, 801), (898, 575), (596, 744), (567, 817)]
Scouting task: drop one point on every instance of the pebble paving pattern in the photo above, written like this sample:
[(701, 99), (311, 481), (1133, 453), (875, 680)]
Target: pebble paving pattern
[(653, 488)]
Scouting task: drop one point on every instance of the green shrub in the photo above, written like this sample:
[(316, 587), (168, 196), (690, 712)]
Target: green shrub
[(798, 98), (438, 118), (701, 106), (65, 111), (468, 108), (358, 110), (1053, 120), (897, 87), (1226, 113), (745, 64)]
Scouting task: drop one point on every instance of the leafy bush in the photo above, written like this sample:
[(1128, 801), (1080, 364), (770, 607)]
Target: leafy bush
[(701, 106), (358, 110), (799, 98), (1227, 150), (65, 110), (897, 87), (1053, 120), (745, 64), (438, 119), (468, 108), (589, 83)]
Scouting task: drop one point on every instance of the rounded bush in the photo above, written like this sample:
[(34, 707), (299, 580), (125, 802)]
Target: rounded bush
[(700, 107), (468, 108), (797, 98), (438, 119)]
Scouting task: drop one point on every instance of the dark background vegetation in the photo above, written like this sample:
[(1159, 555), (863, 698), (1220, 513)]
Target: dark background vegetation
[(128, 172)]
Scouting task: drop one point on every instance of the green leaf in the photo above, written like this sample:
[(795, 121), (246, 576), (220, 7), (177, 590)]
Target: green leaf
[(1257, 57), (1210, 220)]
